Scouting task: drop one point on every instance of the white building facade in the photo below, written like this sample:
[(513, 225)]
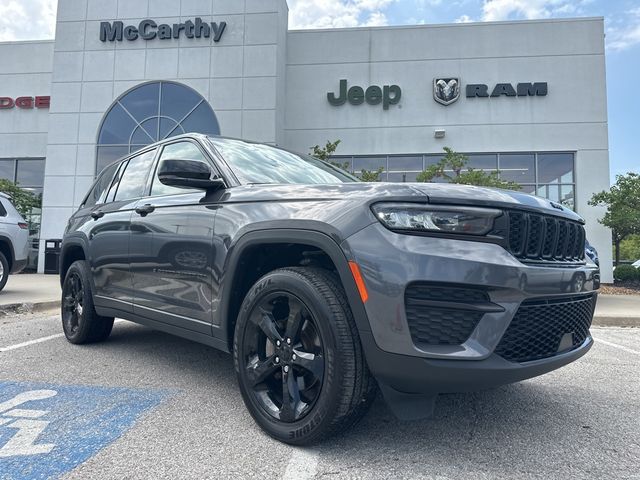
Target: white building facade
[(525, 98)]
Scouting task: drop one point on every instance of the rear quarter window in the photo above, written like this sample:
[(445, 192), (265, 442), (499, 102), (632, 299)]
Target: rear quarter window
[(134, 180), (97, 193)]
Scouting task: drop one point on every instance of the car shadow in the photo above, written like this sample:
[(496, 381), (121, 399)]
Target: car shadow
[(462, 425)]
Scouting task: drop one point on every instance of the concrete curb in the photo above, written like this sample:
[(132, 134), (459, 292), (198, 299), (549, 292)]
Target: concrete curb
[(22, 308), (27, 307), (610, 321)]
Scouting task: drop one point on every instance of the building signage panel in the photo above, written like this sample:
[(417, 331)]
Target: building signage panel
[(149, 29), (25, 103)]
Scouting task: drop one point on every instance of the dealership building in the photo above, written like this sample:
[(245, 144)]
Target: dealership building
[(527, 98)]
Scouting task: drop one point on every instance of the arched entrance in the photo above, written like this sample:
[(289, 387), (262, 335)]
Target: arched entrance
[(148, 113)]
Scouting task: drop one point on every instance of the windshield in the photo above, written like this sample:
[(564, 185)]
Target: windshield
[(254, 163)]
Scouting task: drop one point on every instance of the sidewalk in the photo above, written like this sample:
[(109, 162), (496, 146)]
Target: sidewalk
[(29, 292), (618, 311)]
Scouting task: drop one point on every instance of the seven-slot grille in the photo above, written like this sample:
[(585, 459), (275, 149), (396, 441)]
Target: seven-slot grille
[(540, 326), (537, 238)]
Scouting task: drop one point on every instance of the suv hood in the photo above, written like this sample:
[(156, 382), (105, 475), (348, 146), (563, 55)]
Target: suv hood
[(435, 193)]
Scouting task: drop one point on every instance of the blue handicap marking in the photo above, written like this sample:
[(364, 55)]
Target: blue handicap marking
[(47, 430)]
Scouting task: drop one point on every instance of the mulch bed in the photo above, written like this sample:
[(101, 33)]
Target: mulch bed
[(622, 288)]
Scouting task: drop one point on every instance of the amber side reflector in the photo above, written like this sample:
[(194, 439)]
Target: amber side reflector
[(357, 276)]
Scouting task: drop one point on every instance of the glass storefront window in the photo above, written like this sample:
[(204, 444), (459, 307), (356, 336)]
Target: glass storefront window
[(567, 196), (517, 167), (549, 175), (402, 177), (30, 172), (8, 169), (369, 163), (479, 161), (555, 168), (405, 163)]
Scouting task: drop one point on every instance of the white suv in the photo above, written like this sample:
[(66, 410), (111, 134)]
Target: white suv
[(14, 240)]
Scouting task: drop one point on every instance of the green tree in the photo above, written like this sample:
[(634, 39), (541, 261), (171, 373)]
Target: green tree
[(23, 200), (623, 208), (371, 175), (325, 153), (630, 248), (453, 168)]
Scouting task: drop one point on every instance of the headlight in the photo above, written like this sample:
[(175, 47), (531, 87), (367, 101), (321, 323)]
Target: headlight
[(429, 218)]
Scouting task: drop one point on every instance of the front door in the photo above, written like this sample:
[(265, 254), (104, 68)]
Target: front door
[(172, 250)]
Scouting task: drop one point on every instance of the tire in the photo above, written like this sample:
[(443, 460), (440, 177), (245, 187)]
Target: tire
[(4, 273), (329, 399), (80, 322)]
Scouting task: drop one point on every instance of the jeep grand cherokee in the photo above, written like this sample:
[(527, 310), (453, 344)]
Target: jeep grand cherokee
[(325, 288)]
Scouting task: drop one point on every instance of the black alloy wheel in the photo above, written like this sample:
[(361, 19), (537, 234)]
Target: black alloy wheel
[(80, 321), (72, 300), (284, 357), (297, 353)]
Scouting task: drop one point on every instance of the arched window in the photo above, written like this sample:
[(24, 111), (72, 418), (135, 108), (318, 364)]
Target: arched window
[(152, 112)]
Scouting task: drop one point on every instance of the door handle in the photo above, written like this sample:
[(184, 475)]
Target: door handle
[(96, 214), (144, 210)]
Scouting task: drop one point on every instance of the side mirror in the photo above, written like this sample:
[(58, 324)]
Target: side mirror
[(188, 174)]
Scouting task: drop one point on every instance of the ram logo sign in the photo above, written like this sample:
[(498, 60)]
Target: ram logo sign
[(446, 90)]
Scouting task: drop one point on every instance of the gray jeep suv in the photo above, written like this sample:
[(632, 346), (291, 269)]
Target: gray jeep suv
[(323, 287)]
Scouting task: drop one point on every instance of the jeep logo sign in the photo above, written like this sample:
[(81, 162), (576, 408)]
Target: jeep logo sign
[(149, 29), (373, 95)]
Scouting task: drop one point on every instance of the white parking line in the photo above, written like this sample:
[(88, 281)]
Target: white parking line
[(30, 342), (615, 345), (303, 465), (39, 340)]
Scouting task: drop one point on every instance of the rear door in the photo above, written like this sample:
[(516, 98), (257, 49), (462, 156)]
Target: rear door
[(172, 248), (109, 232)]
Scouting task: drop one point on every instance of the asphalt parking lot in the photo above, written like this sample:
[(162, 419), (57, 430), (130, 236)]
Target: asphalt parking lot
[(148, 405)]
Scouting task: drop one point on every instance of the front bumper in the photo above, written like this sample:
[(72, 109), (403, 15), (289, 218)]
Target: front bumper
[(426, 376), (389, 262)]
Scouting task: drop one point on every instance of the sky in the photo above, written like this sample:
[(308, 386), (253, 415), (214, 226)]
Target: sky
[(35, 19)]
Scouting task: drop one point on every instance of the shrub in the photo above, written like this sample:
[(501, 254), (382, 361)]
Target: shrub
[(626, 273)]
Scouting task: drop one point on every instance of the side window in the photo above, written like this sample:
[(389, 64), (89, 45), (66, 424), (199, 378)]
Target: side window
[(97, 194), (175, 151), (134, 178), (3, 211), (116, 180)]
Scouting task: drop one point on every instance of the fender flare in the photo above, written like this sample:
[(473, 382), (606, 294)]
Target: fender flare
[(313, 238), (66, 245)]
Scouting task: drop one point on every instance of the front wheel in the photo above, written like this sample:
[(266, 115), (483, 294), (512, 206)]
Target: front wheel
[(80, 322), (298, 356)]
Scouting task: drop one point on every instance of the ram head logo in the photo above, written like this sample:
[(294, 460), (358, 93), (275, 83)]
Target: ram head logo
[(446, 90)]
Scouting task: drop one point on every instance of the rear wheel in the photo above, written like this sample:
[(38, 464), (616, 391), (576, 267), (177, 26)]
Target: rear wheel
[(80, 322), (298, 356), (4, 270)]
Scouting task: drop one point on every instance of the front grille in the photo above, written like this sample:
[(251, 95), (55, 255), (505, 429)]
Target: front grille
[(540, 325), (442, 315), (543, 239)]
